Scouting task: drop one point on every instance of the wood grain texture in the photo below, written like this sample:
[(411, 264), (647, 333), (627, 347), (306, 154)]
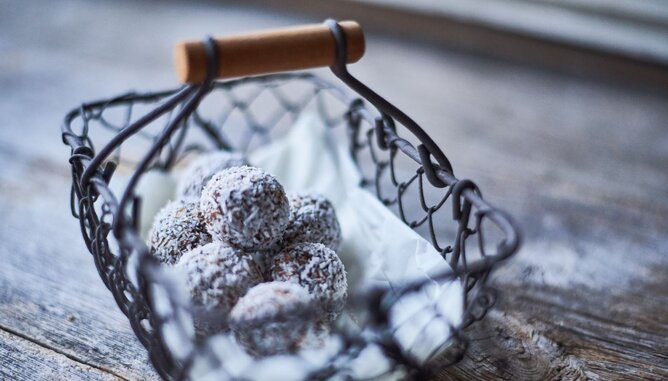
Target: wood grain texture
[(22, 360), (43, 294), (549, 335), (579, 162)]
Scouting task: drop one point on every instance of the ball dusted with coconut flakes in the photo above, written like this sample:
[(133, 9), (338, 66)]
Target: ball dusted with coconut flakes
[(245, 207), (272, 318), (216, 276), (203, 168), (318, 269), (177, 228), (312, 219)]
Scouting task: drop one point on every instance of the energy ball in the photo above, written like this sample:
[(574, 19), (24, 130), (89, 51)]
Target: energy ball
[(245, 207), (216, 276), (202, 169), (270, 318), (318, 269), (177, 228), (312, 219)]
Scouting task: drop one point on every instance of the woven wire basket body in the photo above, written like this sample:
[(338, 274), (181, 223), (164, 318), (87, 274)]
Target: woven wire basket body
[(143, 132)]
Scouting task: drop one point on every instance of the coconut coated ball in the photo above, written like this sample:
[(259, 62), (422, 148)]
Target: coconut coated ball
[(245, 207), (202, 169), (270, 319), (177, 228), (216, 276), (318, 269), (312, 219)]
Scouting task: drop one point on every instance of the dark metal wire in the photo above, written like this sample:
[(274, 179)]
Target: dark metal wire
[(374, 135)]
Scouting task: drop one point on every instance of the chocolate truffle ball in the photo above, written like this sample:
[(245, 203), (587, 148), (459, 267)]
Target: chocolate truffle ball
[(318, 269), (312, 219), (202, 169), (272, 318), (245, 207), (177, 228), (216, 276)]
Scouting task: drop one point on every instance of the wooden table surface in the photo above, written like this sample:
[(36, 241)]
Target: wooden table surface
[(583, 165)]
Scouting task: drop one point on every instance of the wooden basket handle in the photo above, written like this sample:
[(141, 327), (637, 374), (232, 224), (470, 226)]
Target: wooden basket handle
[(270, 51)]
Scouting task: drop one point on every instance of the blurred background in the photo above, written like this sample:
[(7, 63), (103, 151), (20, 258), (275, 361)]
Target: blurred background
[(557, 109)]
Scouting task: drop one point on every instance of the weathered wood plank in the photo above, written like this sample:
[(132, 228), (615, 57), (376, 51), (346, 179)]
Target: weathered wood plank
[(49, 289), (580, 163), (541, 334), (22, 360)]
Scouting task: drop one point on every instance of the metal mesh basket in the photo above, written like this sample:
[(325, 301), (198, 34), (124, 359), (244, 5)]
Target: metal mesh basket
[(156, 130)]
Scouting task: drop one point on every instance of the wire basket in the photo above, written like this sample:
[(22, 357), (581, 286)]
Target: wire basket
[(156, 130)]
